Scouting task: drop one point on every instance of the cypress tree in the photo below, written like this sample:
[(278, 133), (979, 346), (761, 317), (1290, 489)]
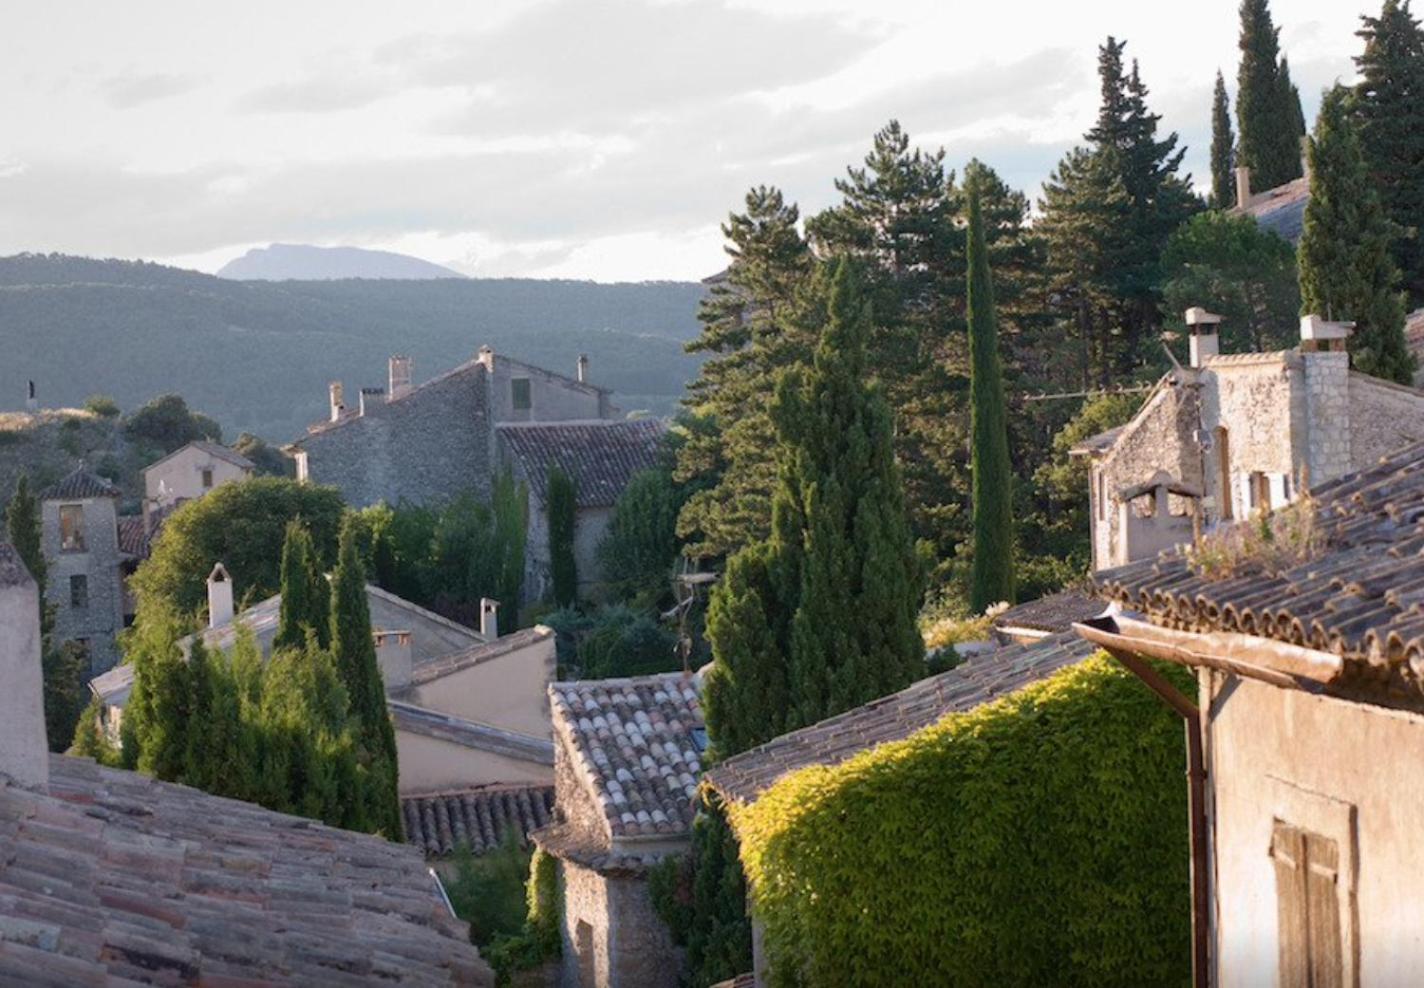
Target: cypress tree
[(1268, 113), (562, 509), (305, 596), (360, 674), (25, 532), (1389, 109), (992, 575), (1346, 271), (1223, 149)]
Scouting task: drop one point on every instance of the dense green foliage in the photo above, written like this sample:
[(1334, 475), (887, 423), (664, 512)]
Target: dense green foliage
[(1223, 149), (268, 460), (306, 598), (242, 526), (1268, 113), (641, 545), (166, 423), (612, 641), (488, 890), (992, 577), (538, 939), (25, 532), (562, 508), (1346, 269), (1039, 839), (1228, 265), (1389, 108)]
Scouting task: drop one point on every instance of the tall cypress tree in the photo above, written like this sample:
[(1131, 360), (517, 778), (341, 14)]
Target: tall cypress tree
[(360, 673), (1346, 271), (1223, 149), (1268, 114), (992, 575), (1389, 108), (562, 508), (25, 532), (305, 595)]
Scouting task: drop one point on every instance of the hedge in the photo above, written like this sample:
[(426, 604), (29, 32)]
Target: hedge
[(1039, 839)]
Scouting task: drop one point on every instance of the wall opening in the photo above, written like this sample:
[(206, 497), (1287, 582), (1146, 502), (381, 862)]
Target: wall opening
[(1223, 459), (583, 946)]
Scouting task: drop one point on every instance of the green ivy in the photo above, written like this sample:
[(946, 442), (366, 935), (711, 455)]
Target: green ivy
[(1040, 839)]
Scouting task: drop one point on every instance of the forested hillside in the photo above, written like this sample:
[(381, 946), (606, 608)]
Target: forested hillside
[(257, 355)]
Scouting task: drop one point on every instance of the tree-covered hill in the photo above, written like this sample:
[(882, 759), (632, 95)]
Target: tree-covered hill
[(257, 355)]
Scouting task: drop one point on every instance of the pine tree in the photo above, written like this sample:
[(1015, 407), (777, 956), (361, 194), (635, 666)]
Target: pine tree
[(1389, 109), (305, 596), (992, 577), (1346, 271), (360, 674), (1223, 149), (1268, 113), (562, 508)]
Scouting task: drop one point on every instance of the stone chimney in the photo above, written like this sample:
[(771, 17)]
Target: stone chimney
[(583, 368), (24, 748), (1243, 186), (220, 610), (393, 655), (1327, 397), (486, 357), (489, 619), (399, 381), (371, 397), (337, 394), (1205, 341), (32, 401)]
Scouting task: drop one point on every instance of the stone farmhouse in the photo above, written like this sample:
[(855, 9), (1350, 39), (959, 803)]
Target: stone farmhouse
[(110, 877), (429, 443), (1306, 736), (189, 473), (627, 760), (1231, 434)]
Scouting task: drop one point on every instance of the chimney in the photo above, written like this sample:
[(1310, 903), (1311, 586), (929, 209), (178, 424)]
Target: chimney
[(489, 619), (1326, 366), (24, 747), (337, 394), (220, 610), (583, 368), (1319, 335), (399, 377), (1243, 186), (393, 655), (1305, 156), (1205, 341), (486, 357), (32, 401), (372, 397)]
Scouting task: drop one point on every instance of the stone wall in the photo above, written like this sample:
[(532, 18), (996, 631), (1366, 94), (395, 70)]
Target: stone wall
[(24, 755), (1259, 399), (641, 951), (1328, 427), (586, 953), (1384, 417), (574, 805), (99, 563)]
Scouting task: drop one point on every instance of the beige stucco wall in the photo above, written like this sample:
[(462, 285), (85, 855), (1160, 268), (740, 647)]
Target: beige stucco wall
[(24, 755), (509, 692), (181, 476), (1351, 772), (431, 765)]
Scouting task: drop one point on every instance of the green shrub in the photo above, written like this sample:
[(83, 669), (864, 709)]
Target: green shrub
[(539, 939), (102, 405), (1040, 839), (488, 891)]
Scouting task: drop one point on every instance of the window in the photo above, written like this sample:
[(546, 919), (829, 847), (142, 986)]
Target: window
[(71, 528), (207, 478), (79, 592), (1259, 491), (1307, 908), (519, 391)]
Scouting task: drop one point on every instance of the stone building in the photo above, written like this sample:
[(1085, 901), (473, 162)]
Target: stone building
[(87, 564), (188, 473), (1231, 434), (1280, 210), (110, 877), (627, 760), (1305, 737)]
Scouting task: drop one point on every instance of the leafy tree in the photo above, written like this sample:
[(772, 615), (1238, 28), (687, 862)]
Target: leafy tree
[(1389, 109), (638, 551), (1346, 271), (102, 405), (167, 423), (268, 459), (306, 599), (562, 511), (1223, 149), (1229, 265), (992, 579), (1268, 113)]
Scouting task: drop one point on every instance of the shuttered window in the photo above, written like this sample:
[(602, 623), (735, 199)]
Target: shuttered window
[(1308, 908)]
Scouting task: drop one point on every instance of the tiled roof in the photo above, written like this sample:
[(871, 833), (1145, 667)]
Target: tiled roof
[(601, 457), (12, 568), (567, 844), (1281, 210), (470, 734), (478, 654), (212, 449), (476, 818), (133, 536), (79, 485), (1099, 443), (113, 878), (1362, 598), (1055, 613), (635, 742), (897, 716)]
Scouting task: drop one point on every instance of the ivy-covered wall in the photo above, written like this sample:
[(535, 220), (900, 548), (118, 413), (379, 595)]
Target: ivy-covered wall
[(1040, 839)]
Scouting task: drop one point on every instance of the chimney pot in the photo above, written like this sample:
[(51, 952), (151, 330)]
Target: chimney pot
[(489, 619), (1243, 186), (371, 396), (583, 368), (337, 394), (24, 747), (486, 357), (220, 609), (1205, 342), (1317, 334), (400, 375)]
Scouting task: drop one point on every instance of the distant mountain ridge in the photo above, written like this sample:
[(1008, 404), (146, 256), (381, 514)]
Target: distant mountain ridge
[(257, 355), (304, 262)]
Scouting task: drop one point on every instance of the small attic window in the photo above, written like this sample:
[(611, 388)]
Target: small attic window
[(519, 392), (207, 478)]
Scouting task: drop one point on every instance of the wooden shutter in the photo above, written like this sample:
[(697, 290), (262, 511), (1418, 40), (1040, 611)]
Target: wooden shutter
[(1307, 908)]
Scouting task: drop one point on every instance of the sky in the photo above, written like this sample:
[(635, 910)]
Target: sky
[(602, 139)]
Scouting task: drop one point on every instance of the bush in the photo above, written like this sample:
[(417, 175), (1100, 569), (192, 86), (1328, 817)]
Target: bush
[(539, 939), (1039, 839), (488, 891), (102, 406), (624, 642), (167, 423)]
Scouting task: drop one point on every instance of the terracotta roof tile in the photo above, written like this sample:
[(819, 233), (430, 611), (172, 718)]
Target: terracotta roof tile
[(601, 457), (475, 818), (79, 485), (1055, 613), (133, 536)]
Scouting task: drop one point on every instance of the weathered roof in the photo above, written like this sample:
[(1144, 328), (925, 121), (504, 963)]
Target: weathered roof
[(133, 536), (633, 742), (600, 456), (79, 485), (897, 716), (1362, 598), (217, 450), (113, 878), (1281, 210), (479, 654), (12, 567), (1097, 444), (479, 819), (469, 733), (1055, 613)]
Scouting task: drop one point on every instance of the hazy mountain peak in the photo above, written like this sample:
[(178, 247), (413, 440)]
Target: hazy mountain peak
[(283, 262)]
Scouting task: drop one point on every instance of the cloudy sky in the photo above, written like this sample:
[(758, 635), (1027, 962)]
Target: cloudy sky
[(553, 138)]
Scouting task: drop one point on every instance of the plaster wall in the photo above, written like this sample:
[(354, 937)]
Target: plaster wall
[(180, 477), (100, 564), (24, 753), (509, 692), (552, 397), (429, 764)]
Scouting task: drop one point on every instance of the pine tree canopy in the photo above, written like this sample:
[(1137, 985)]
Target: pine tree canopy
[(1268, 114), (1346, 270), (1223, 149)]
